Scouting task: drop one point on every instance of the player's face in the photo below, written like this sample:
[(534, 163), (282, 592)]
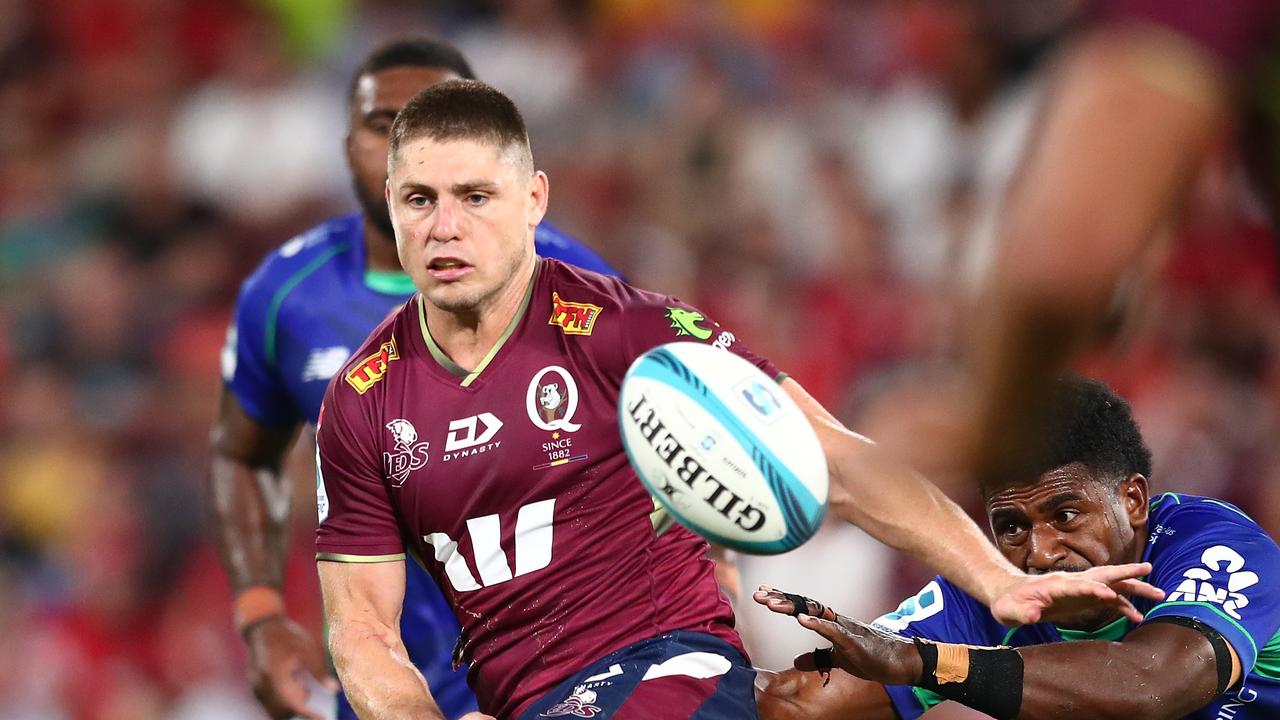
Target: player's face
[(378, 97), (1070, 521), (464, 213)]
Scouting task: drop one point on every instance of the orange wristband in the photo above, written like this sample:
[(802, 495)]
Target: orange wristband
[(257, 603)]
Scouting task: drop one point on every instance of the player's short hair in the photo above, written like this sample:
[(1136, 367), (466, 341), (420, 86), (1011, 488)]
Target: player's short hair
[(1085, 422), (461, 110), (411, 52)]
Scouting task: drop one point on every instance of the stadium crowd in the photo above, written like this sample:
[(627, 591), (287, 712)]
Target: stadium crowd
[(821, 175)]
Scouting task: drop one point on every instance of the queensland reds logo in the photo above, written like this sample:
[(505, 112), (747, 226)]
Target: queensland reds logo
[(552, 399), (410, 454), (580, 704)]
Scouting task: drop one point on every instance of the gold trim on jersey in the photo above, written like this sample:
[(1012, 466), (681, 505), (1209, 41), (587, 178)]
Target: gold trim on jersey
[(344, 557), (453, 367)]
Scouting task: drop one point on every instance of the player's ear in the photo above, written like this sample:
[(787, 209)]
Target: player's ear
[(1134, 490), (539, 190)]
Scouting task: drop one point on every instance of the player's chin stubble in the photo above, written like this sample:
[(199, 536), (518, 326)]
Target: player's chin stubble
[(374, 206)]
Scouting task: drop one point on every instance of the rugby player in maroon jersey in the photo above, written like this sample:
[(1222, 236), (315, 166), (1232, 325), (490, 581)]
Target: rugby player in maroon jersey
[(477, 430)]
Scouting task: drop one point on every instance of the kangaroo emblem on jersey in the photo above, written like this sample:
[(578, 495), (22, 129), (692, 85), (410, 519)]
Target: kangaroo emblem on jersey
[(552, 403), (410, 454)]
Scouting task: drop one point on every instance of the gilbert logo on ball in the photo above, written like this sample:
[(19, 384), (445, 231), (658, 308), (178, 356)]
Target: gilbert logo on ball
[(723, 448)]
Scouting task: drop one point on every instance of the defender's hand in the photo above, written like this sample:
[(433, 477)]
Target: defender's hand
[(477, 716), (785, 603), (862, 650), (281, 655), (1034, 598)]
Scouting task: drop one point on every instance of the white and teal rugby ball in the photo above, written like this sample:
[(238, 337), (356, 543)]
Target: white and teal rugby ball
[(723, 448)]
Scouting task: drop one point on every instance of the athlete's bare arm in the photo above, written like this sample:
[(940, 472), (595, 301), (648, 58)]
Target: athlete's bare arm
[(1160, 670), (362, 603), (250, 498), (900, 508), (1131, 113), (801, 695)]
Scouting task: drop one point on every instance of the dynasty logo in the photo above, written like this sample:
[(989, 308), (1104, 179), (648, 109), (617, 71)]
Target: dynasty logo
[(573, 318), (689, 472), (370, 370)]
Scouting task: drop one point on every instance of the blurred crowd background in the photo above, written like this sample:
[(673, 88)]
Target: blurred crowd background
[(822, 176)]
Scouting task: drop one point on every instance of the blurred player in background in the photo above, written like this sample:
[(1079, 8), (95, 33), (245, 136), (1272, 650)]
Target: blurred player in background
[(477, 430), (1137, 102), (298, 318), (1210, 650)]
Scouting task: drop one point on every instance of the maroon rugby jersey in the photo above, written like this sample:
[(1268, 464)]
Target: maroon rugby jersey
[(510, 483)]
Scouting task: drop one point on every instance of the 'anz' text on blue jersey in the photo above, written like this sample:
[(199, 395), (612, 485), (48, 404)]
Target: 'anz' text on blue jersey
[(298, 318), (1213, 562)]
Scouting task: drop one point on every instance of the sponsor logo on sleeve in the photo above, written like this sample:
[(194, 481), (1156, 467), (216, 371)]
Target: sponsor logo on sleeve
[(924, 604), (573, 318), (1220, 581), (686, 322), (372, 369), (324, 363), (410, 453)]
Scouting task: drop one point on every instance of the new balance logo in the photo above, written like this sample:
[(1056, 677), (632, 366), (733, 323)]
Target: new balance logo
[(324, 363), (472, 436)]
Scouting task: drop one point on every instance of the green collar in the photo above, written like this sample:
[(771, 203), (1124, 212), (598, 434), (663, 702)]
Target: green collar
[(389, 282)]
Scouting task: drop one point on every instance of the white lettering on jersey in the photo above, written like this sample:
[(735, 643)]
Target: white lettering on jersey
[(1197, 585), (534, 531), (322, 495)]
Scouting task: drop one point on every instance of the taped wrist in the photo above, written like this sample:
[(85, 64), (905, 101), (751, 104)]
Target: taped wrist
[(256, 605), (988, 680)]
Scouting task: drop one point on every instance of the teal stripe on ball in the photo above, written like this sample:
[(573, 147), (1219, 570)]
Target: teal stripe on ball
[(801, 510)]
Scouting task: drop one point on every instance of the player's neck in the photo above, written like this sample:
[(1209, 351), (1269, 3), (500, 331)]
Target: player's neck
[(379, 250), (467, 337)]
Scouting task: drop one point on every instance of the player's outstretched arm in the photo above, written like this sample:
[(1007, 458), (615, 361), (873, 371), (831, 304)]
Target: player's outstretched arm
[(362, 603), (1160, 670), (250, 498), (1130, 115), (799, 695), (900, 508)]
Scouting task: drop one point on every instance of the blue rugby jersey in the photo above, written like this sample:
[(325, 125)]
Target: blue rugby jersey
[(1213, 562), (298, 318)]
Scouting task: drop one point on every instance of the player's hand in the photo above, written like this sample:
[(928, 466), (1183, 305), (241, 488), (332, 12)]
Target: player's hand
[(796, 695), (785, 603), (281, 656), (862, 650), (477, 716), (1031, 599)]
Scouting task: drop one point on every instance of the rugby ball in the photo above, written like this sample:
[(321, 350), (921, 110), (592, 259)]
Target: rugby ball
[(722, 448)]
